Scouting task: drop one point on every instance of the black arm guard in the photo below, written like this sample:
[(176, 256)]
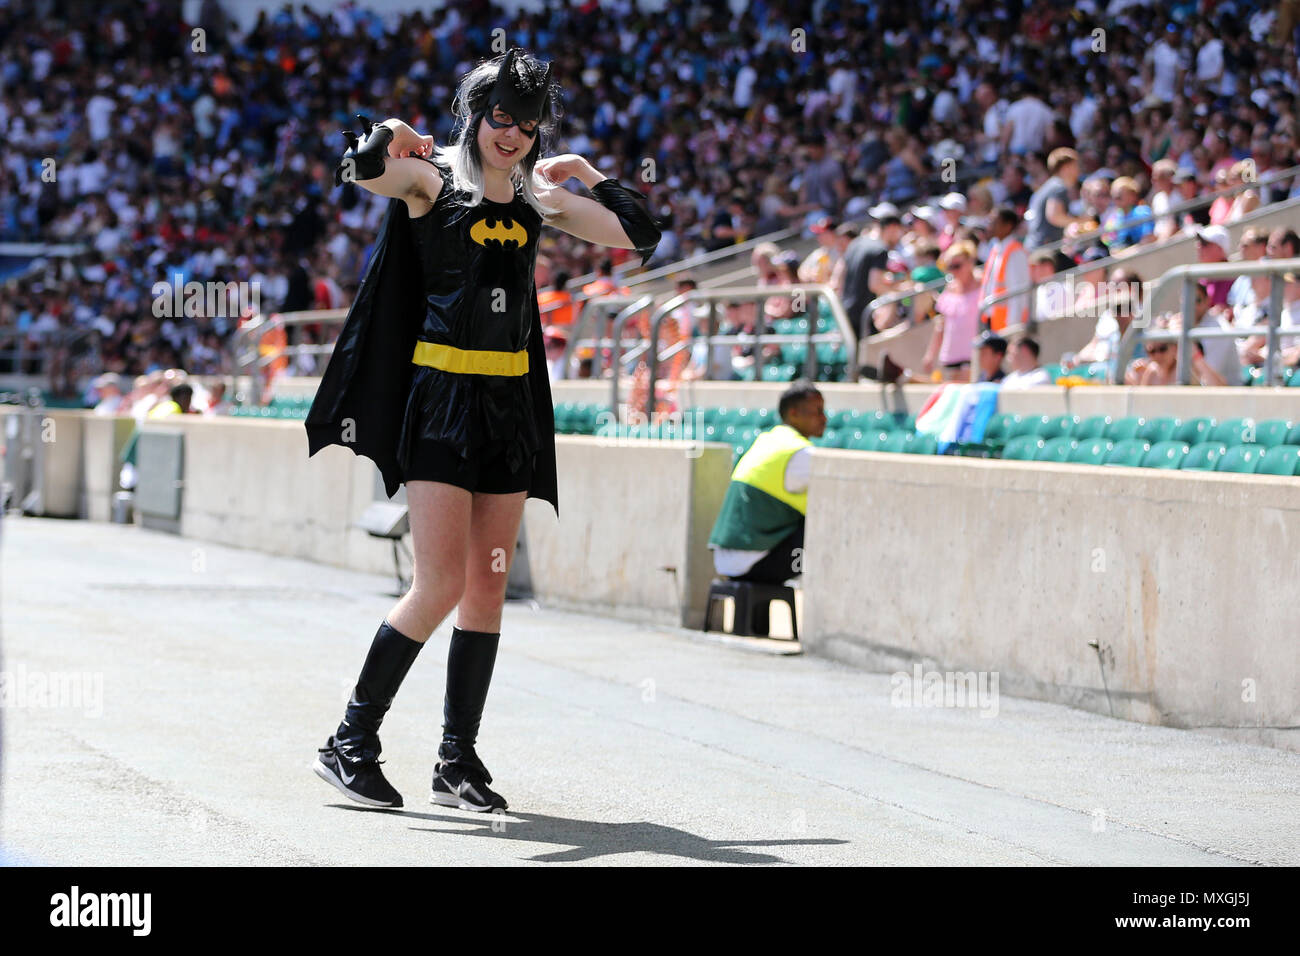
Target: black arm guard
[(629, 206), (368, 155)]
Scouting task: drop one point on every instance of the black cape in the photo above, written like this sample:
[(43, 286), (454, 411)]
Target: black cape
[(363, 392)]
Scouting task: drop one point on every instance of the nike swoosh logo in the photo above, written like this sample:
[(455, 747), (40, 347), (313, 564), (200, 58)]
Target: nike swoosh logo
[(347, 778)]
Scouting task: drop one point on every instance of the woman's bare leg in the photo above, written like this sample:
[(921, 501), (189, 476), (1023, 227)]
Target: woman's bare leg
[(440, 528), (493, 530)]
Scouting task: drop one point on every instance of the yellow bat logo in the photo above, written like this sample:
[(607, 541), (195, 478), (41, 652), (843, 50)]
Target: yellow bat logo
[(499, 232)]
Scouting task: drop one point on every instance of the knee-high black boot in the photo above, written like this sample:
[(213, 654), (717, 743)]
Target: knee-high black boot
[(350, 758), (460, 778)]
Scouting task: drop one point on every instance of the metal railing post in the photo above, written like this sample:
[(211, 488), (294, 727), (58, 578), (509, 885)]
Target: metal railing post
[(1273, 363), (1185, 333)]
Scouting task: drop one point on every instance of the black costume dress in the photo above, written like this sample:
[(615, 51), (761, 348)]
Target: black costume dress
[(477, 265), (459, 276)]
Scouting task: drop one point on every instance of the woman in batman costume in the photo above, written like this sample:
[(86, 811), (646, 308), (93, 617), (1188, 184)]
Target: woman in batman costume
[(439, 376)]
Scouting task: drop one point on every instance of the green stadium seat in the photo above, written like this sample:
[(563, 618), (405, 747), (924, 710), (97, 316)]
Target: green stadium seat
[(1294, 380), (1057, 426), (1166, 454), (1234, 431), (1240, 459), (828, 439), (897, 441), (1272, 432), (1092, 427), (841, 419), (1293, 436), (873, 440), (1204, 457), (1054, 371), (1194, 431), (1027, 425), (1000, 426), (1157, 430), (907, 423), (879, 421), (1130, 452), (1023, 448), (922, 445), (1057, 449), (1122, 429), (1092, 451), (1279, 460)]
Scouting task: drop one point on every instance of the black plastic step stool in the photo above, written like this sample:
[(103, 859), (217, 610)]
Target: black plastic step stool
[(748, 596)]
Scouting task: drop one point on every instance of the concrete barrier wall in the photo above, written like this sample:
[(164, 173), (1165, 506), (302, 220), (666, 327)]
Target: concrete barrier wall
[(59, 455), (1188, 583), (632, 538), (104, 437), (633, 542), (249, 483)]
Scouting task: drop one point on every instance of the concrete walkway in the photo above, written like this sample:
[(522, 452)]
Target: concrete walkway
[(222, 670)]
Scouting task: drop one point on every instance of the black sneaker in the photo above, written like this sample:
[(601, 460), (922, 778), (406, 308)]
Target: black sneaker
[(361, 781), (464, 788)]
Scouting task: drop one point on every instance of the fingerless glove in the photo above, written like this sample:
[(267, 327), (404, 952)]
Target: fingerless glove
[(629, 206), (367, 156)]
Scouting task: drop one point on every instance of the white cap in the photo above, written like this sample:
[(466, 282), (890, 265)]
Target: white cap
[(953, 201), (1217, 235), (881, 210)]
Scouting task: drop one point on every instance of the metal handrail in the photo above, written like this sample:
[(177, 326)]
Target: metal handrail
[(814, 291), (1102, 264), (1188, 276)]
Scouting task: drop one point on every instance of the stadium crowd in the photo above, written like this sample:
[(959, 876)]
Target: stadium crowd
[(213, 162)]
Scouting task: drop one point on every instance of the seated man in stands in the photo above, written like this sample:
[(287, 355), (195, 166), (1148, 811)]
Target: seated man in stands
[(991, 349), (759, 532), (1025, 370)]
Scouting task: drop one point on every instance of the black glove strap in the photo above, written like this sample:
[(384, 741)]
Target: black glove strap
[(629, 206)]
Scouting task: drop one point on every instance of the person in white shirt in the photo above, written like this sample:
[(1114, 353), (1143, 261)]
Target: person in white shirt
[(1027, 123), (1164, 66), (1025, 370)]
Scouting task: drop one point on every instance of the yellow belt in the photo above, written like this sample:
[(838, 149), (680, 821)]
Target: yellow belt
[(470, 361)]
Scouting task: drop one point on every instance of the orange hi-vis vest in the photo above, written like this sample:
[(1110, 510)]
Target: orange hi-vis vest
[(560, 314), (995, 282)]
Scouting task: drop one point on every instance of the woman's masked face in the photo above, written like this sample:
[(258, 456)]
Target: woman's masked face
[(501, 147)]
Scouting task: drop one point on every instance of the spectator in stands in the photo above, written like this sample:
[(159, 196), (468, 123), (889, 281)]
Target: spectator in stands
[(556, 303), (1025, 370), (823, 184), (991, 350), (819, 264), (1119, 304), (1005, 270), (1050, 298), (730, 223), (556, 341), (217, 402), (1028, 121), (1188, 188), (758, 535), (1127, 223), (1212, 245), (1246, 201), (1160, 366), (1162, 197), (1220, 355), (865, 268), (178, 402), (952, 206), (1049, 207), (957, 315), (1248, 296)]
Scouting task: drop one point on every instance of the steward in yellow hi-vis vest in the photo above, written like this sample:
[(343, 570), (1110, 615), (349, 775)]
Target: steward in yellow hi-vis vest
[(758, 535)]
